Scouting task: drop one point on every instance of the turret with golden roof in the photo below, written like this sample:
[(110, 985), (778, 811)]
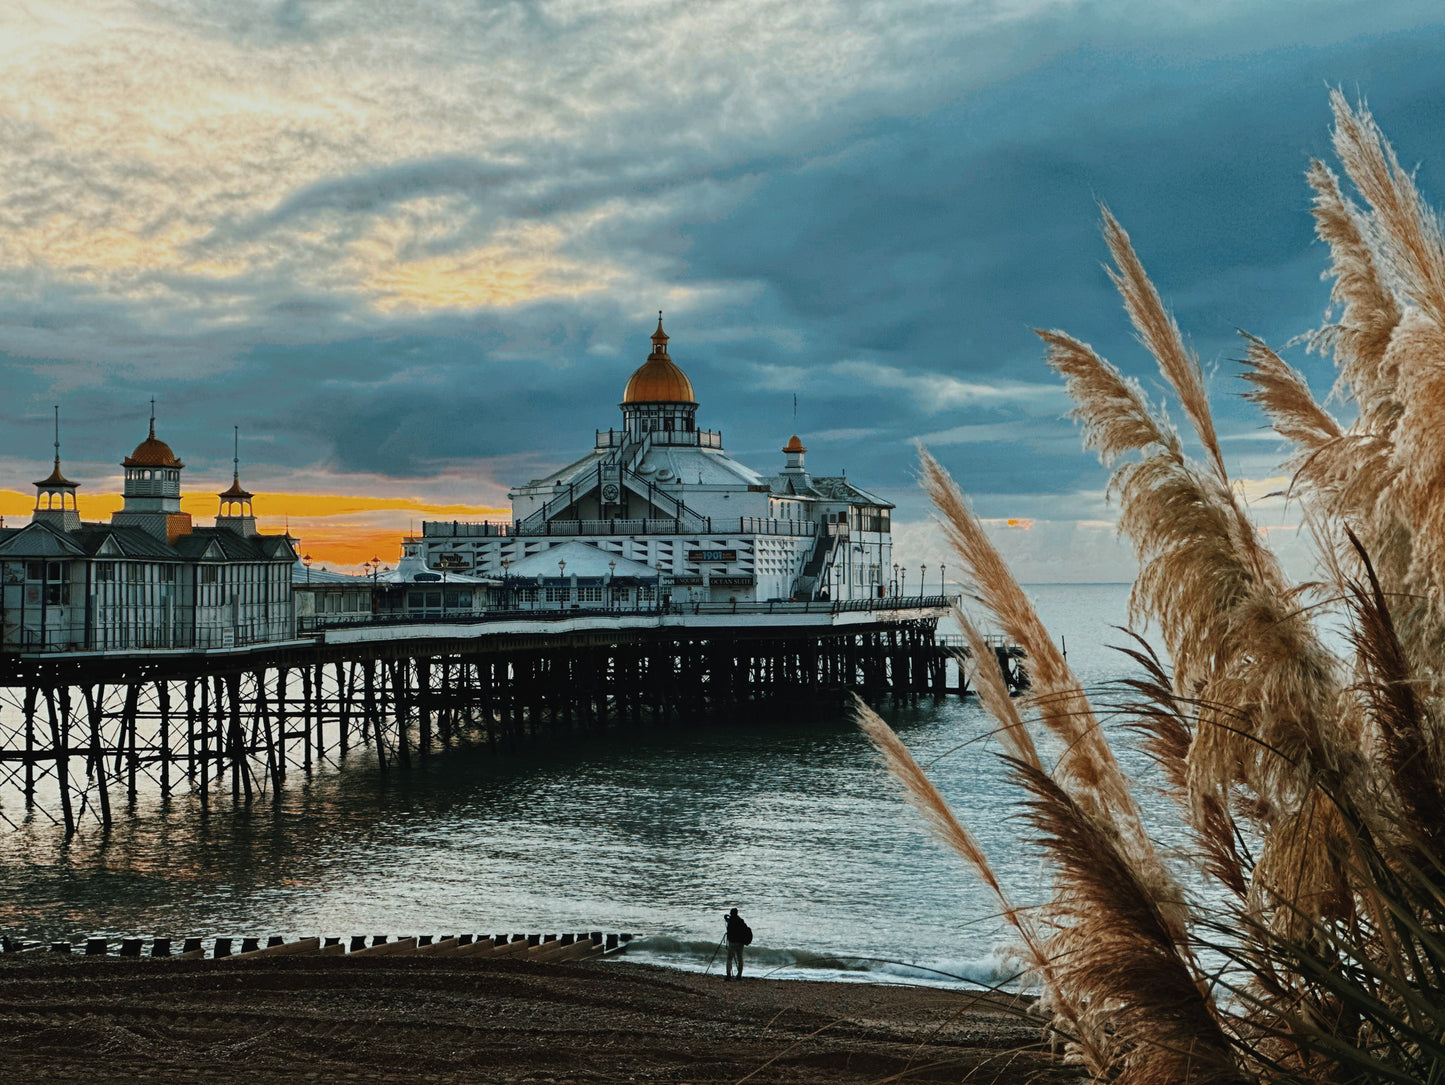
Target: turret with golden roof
[(659, 380), (658, 397), (153, 489)]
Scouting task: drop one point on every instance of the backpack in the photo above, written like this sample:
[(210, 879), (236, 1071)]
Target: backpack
[(747, 935)]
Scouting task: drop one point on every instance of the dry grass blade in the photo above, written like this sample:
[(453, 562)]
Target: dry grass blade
[(924, 797), (1408, 231), (1369, 313), (1118, 419), (1116, 950), (1282, 392), (1398, 712), (1062, 706), (987, 679), (1158, 332)]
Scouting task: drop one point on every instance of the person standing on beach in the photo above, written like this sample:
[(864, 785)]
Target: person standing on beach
[(739, 934)]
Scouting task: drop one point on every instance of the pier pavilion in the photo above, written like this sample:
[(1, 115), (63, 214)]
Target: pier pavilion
[(658, 512), (149, 579)]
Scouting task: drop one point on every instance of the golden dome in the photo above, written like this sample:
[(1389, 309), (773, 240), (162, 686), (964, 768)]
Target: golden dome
[(658, 380), (794, 445), (152, 452)]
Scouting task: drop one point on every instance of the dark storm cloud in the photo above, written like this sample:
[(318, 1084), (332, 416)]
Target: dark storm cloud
[(935, 246), (877, 254)]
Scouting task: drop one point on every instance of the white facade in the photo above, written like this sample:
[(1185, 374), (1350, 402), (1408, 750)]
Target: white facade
[(661, 495)]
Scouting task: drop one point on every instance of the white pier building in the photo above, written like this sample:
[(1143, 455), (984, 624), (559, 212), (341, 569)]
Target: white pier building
[(659, 512)]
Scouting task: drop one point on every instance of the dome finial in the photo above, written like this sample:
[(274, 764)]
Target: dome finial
[(659, 337)]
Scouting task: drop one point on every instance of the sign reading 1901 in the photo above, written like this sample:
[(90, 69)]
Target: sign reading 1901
[(712, 555)]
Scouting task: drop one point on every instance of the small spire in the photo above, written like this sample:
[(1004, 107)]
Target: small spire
[(659, 337), (237, 492), (56, 481), (153, 416)]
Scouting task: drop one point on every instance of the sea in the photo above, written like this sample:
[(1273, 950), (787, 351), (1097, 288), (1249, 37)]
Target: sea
[(656, 833)]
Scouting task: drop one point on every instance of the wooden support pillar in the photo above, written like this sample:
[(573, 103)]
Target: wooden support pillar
[(191, 731), (319, 685), (31, 692), (60, 746), (282, 716), (163, 735), (306, 706), (399, 674), (236, 741), (346, 693), (423, 706), (95, 704)]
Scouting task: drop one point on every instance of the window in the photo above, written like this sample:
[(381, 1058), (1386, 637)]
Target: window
[(105, 570), (167, 574), (209, 574)]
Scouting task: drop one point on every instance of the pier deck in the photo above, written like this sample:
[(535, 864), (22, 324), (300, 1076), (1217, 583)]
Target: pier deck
[(84, 735)]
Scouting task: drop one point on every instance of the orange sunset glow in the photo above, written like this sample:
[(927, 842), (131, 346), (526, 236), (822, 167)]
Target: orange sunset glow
[(340, 530)]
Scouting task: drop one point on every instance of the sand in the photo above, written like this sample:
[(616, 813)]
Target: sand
[(395, 1019)]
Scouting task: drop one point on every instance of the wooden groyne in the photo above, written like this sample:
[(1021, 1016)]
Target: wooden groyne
[(84, 737), (543, 948)]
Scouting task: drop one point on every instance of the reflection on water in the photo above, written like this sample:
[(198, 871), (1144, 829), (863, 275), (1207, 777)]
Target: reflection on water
[(791, 820)]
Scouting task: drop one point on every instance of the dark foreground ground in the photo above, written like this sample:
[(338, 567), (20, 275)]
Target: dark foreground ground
[(432, 1020)]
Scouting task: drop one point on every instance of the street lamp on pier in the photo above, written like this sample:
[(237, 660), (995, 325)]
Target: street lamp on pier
[(306, 561), (895, 578), (923, 578), (942, 590), (562, 593), (903, 581), (506, 584), (611, 576)]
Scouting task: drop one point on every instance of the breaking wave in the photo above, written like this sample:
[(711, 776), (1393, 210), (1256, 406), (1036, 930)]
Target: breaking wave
[(997, 969)]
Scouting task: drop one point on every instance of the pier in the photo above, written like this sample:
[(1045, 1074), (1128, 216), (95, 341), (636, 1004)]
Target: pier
[(83, 736)]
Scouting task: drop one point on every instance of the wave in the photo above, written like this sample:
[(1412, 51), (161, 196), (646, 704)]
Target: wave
[(996, 969)]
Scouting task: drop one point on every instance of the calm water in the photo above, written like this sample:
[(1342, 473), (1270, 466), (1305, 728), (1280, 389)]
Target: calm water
[(791, 821)]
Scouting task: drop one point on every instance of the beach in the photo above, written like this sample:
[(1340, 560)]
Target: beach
[(395, 1019)]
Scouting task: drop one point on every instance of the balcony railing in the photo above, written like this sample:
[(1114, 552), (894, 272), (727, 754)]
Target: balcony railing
[(708, 525), (140, 635), (695, 438), (321, 622)]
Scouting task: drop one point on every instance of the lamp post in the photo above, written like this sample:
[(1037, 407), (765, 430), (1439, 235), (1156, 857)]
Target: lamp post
[(941, 589), (903, 581), (563, 593), (611, 576), (923, 578), (895, 578), (306, 561), (506, 584)]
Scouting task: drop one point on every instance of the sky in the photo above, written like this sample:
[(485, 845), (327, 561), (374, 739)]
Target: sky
[(414, 250)]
